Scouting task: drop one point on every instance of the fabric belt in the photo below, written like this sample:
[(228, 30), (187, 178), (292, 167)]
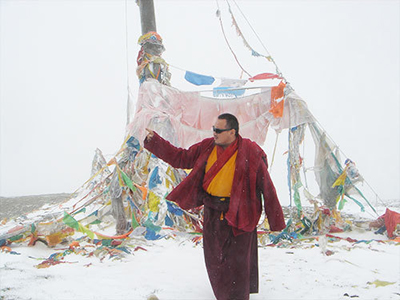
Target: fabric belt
[(218, 203)]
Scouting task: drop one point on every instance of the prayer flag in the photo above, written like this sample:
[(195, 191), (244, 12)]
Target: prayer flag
[(155, 178), (70, 221), (341, 179), (227, 91), (198, 79), (127, 181), (264, 76), (277, 109), (154, 201)]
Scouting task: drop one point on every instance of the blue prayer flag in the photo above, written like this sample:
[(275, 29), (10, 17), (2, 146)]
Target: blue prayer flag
[(198, 79)]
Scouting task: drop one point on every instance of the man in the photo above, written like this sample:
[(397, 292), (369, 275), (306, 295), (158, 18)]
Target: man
[(228, 176)]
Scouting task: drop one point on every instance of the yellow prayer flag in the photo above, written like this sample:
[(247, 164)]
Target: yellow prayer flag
[(154, 200), (381, 283), (341, 179), (86, 231)]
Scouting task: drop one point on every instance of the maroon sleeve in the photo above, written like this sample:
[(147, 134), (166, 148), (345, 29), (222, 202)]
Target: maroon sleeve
[(176, 157), (273, 209)]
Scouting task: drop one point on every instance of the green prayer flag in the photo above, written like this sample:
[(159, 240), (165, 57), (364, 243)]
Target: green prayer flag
[(128, 181), (134, 222), (358, 203), (70, 221), (106, 242), (16, 238), (149, 224), (296, 197), (341, 203), (95, 222)]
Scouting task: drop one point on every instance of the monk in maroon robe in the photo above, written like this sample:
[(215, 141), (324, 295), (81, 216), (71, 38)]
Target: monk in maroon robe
[(228, 176)]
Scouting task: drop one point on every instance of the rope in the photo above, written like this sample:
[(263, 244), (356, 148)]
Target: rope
[(220, 78), (258, 38), (215, 77), (127, 60), (226, 40), (273, 154), (376, 195), (126, 44), (289, 166)]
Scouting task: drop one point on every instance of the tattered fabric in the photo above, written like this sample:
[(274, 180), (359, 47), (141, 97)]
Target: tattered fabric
[(186, 118)]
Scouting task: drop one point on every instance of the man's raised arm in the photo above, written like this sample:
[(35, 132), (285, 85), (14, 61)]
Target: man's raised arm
[(176, 157)]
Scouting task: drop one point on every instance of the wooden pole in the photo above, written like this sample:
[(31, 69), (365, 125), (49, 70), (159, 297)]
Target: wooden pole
[(151, 48), (147, 16)]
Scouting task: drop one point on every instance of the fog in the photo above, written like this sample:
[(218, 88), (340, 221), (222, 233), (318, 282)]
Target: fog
[(66, 68)]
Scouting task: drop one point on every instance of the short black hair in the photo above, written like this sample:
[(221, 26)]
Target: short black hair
[(231, 122)]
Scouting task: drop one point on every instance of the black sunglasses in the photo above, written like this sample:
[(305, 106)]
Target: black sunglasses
[(218, 131)]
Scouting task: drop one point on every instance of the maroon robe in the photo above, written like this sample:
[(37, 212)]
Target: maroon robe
[(230, 245)]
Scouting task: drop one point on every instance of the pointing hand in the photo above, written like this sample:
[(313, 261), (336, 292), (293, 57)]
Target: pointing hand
[(150, 134)]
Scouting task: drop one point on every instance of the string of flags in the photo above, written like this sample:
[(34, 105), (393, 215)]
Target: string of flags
[(231, 87), (150, 64), (199, 79), (246, 44), (145, 60), (228, 87)]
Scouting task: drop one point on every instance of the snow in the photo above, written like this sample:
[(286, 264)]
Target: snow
[(317, 267)]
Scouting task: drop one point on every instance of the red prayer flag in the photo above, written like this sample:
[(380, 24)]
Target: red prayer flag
[(264, 76)]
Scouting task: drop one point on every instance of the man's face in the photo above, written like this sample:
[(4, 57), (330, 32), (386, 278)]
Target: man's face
[(224, 138)]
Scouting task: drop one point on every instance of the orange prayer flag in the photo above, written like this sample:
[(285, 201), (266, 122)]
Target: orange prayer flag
[(74, 244), (277, 91), (143, 189), (277, 109), (112, 161)]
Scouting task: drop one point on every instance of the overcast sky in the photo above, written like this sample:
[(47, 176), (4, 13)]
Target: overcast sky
[(65, 68)]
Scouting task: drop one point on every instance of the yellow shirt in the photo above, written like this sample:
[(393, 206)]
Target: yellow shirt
[(221, 185)]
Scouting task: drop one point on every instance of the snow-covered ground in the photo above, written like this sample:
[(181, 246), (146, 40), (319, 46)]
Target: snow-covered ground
[(318, 267)]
